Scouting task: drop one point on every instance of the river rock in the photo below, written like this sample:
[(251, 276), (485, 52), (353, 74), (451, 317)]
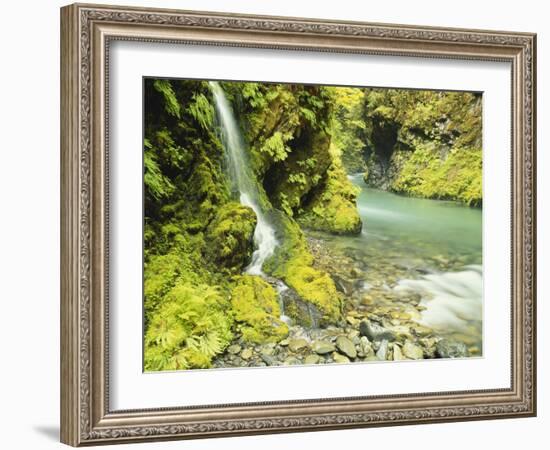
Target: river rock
[(375, 332), (234, 349), (446, 348), (291, 361), (246, 354), (397, 354), (412, 351), (268, 359), (340, 359), (311, 359), (382, 352), (343, 285), (295, 345), (323, 347), (346, 347), (284, 342)]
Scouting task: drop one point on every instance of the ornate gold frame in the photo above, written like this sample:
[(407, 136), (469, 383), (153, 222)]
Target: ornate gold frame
[(86, 31)]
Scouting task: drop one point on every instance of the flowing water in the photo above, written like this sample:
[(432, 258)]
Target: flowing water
[(430, 247), (239, 170)]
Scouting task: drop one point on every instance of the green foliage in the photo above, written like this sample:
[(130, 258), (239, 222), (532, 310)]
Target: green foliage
[(457, 176), (156, 183), (436, 152), (333, 207), (171, 104), (257, 310), (202, 110), (348, 126), (188, 330), (275, 146)]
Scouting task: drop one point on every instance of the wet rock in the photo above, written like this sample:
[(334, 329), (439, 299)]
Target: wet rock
[(312, 359), (268, 359), (382, 352), (375, 332), (295, 345), (365, 348), (246, 354), (346, 347), (422, 331), (291, 361), (323, 347), (343, 285), (412, 351), (340, 359), (234, 349), (446, 348), (397, 354)]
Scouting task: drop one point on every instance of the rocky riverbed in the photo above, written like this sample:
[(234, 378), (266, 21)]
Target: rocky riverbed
[(382, 323)]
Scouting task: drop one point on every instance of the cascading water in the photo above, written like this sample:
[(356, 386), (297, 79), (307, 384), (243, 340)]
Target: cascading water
[(264, 233), (452, 300)]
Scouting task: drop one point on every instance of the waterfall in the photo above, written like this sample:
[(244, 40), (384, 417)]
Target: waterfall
[(264, 233)]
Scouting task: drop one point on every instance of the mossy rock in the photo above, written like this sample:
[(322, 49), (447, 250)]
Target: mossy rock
[(229, 237), (257, 310), (293, 263), (333, 207)]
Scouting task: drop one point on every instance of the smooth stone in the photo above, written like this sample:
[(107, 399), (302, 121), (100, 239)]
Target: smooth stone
[(412, 351), (451, 349), (397, 354), (375, 332), (284, 342), (268, 359), (340, 359), (312, 359), (234, 349), (323, 347), (295, 345), (291, 361), (346, 347), (246, 354), (382, 353)]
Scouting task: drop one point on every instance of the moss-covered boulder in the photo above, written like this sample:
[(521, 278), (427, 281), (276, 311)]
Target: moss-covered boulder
[(293, 263), (332, 207), (229, 237), (257, 310)]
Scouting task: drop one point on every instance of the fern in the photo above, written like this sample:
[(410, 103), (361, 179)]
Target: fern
[(172, 105)]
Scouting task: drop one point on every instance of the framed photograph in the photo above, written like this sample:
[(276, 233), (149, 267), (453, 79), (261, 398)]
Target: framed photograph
[(276, 224)]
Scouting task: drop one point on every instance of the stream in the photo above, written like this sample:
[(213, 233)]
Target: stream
[(412, 279)]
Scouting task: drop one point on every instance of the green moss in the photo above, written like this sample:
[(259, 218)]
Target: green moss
[(333, 207), (230, 236), (293, 263), (188, 329), (425, 143), (257, 310), (458, 176)]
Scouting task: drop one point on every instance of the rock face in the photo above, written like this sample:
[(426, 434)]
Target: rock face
[(451, 349), (346, 347), (375, 332)]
